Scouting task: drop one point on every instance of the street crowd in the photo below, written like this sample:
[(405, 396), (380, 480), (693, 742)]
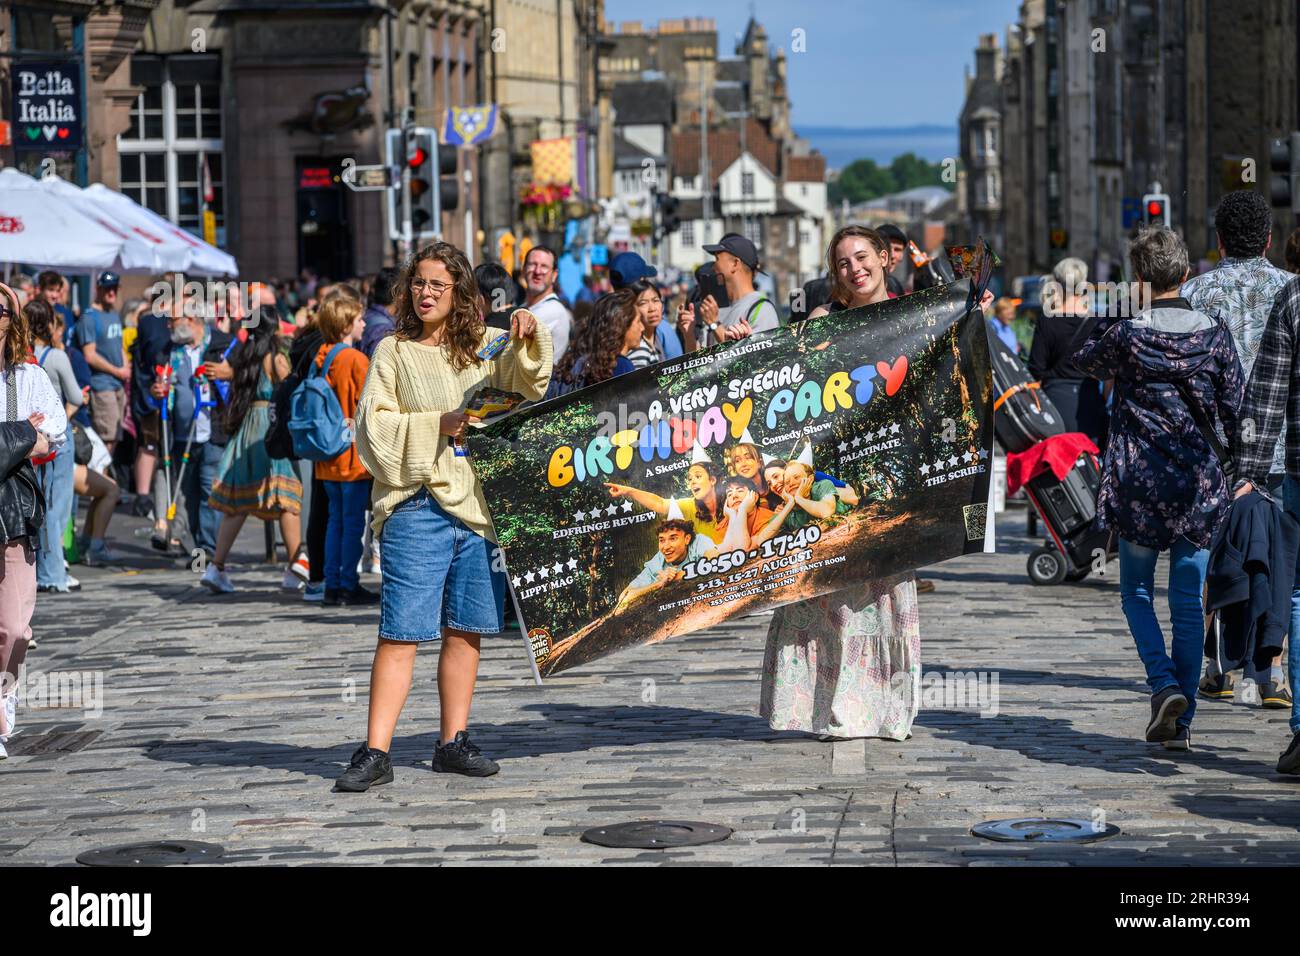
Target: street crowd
[(344, 402)]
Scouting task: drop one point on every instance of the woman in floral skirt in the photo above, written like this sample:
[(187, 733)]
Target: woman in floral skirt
[(848, 664), (250, 481)]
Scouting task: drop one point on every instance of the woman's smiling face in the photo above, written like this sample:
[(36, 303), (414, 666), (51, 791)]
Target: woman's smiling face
[(861, 267), (745, 461)]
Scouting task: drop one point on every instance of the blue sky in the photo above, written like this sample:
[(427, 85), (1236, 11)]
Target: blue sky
[(912, 51)]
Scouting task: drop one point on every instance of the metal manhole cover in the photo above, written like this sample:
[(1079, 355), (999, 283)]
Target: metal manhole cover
[(1044, 830), (656, 834), (162, 853)]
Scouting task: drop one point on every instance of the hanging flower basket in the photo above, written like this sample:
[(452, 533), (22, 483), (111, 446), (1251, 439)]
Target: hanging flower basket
[(542, 205)]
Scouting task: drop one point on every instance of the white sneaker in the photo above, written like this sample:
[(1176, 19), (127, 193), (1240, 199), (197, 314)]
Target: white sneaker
[(291, 581), (216, 580), (4, 754), (10, 716), (73, 583)]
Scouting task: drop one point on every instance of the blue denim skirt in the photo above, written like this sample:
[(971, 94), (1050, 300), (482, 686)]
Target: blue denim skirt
[(436, 573)]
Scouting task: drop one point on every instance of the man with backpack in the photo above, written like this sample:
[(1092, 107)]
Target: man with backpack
[(736, 262)]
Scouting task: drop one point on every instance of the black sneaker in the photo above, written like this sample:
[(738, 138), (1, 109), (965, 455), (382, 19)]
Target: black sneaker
[(331, 598), (1216, 688), (356, 597), (1166, 707), (1181, 740), (1274, 696), (1289, 762), (369, 768), (142, 506), (461, 756)]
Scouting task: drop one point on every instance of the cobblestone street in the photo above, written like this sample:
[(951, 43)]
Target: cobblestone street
[(226, 719)]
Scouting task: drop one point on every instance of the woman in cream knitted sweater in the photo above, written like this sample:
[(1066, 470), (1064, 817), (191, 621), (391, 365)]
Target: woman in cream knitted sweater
[(442, 577)]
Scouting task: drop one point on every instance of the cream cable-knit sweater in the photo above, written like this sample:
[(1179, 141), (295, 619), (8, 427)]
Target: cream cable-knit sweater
[(408, 389)]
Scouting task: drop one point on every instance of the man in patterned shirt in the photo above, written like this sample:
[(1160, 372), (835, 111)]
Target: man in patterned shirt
[(1240, 291), (1271, 398)]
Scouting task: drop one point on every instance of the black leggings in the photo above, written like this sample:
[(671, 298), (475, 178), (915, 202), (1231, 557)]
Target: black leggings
[(317, 520)]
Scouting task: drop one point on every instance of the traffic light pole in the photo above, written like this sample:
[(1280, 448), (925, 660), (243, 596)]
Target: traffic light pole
[(405, 195)]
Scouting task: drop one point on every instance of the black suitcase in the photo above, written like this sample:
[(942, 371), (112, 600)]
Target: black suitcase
[(1068, 508), (1023, 416)]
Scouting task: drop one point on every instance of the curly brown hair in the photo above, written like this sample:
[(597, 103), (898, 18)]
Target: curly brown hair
[(839, 291), (17, 341), (464, 334), (601, 339)]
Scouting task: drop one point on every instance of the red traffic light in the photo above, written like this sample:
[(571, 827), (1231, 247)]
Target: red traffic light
[(1155, 208), (416, 158)]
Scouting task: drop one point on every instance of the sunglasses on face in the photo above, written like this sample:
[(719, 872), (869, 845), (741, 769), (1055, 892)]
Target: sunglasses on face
[(6, 312)]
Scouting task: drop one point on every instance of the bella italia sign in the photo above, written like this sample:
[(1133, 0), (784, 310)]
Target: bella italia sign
[(47, 105)]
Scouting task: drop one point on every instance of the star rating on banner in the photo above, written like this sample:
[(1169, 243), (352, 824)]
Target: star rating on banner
[(544, 571), (964, 460), (607, 512), (872, 437)]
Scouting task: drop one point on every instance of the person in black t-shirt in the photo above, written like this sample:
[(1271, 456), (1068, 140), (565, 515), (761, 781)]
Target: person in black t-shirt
[(1059, 334)]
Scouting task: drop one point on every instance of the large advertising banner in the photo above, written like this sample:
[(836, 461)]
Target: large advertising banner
[(756, 473)]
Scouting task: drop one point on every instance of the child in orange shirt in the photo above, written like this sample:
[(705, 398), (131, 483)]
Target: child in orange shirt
[(346, 482)]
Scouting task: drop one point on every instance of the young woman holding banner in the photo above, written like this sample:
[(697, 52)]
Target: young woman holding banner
[(442, 578), (847, 664)]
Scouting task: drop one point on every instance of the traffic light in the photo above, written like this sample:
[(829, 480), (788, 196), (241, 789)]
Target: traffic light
[(1155, 208), (1284, 184), (669, 220), (448, 183), (421, 154)]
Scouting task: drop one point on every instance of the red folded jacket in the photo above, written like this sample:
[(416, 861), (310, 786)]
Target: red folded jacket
[(1059, 453)]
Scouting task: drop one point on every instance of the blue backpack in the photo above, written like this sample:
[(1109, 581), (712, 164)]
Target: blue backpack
[(316, 417)]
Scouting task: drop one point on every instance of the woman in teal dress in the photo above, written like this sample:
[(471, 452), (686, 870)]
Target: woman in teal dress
[(250, 481)]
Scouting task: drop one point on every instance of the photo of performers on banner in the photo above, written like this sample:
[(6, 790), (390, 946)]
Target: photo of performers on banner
[(852, 446)]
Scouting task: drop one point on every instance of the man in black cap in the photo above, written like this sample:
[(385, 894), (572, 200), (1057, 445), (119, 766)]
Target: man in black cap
[(896, 280), (99, 336), (735, 261)]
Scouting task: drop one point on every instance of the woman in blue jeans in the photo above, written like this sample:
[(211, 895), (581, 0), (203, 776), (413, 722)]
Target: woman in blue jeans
[(56, 476), (443, 575), (1162, 487)]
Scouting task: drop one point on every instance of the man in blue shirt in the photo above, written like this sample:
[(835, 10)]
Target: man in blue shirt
[(678, 543), (99, 336), (1004, 313)]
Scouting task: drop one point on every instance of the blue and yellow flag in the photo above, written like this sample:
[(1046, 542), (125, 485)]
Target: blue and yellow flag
[(469, 125)]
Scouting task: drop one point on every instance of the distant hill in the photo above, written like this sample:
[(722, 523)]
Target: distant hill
[(842, 145)]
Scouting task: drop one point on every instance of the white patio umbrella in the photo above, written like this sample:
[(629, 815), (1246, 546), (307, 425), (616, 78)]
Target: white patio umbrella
[(140, 251), (199, 258), (41, 228)]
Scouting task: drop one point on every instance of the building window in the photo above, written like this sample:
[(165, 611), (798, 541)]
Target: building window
[(747, 184), (688, 233), (992, 188), (804, 237), (752, 230), (174, 131)]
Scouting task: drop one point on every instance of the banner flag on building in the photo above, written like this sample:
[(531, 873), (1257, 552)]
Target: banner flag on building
[(552, 161), (469, 125), (863, 442)]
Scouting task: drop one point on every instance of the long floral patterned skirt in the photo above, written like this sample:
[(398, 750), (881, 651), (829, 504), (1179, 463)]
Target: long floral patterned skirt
[(846, 664)]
